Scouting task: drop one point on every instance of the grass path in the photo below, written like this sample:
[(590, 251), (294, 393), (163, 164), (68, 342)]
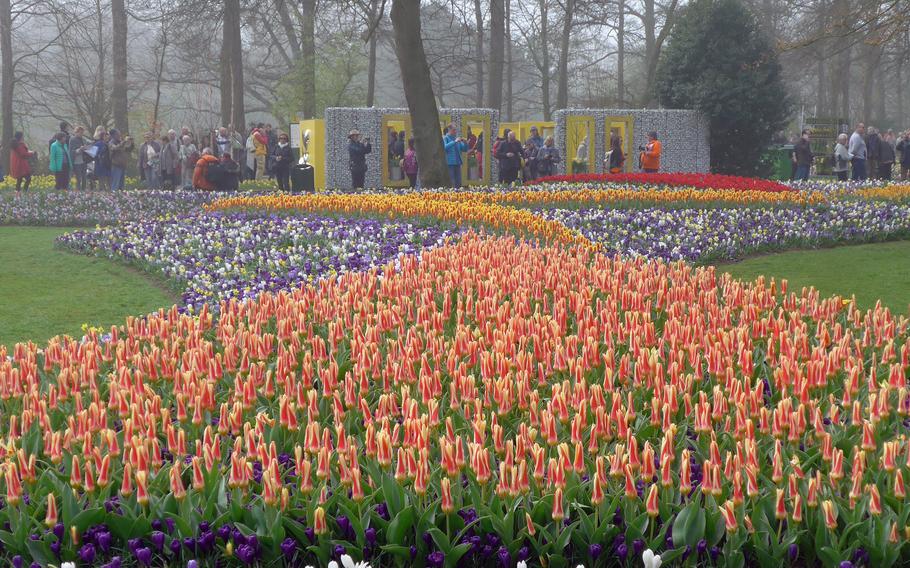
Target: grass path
[(45, 291), (871, 272)]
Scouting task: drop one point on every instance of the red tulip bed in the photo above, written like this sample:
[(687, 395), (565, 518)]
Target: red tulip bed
[(693, 180), (490, 403)]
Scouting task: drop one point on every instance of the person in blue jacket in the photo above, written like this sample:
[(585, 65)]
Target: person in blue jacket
[(455, 146)]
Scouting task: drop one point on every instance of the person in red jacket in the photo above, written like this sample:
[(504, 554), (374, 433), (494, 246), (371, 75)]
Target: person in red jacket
[(200, 175), (19, 166)]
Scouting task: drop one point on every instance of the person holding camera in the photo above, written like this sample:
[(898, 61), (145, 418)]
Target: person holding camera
[(454, 146), (357, 152), (650, 154)]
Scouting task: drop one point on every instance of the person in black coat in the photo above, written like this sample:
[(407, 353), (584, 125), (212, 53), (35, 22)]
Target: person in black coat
[(509, 154), (281, 162), (357, 151)]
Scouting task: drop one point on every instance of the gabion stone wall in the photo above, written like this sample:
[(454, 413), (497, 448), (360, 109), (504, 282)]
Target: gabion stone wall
[(684, 137), (340, 121)]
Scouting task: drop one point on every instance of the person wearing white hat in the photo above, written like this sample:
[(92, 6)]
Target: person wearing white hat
[(358, 151)]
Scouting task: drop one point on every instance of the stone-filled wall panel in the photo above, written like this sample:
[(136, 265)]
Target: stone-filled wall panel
[(340, 121), (683, 135)]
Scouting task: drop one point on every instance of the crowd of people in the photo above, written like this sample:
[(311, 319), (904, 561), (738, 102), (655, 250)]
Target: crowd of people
[(218, 160), (866, 153), (524, 162)]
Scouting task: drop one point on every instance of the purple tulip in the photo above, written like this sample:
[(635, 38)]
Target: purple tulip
[(17, 561), (288, 547), (436, 559), (157, 540), (622, 551), (246, 553), (792, 552), (594, 550), (87, 553), (176, 546), (144, 556)]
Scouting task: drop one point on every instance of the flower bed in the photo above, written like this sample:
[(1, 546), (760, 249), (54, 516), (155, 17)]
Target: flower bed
[(88, 208), (695, 180), (460, 208), (491, 402), (724, 234), (216, 257)]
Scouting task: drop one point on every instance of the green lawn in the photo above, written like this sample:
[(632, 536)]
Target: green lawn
[(871, 272), (46, 291)]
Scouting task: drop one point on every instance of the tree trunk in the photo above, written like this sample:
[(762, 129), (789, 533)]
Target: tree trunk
[(821, 100), (308, 49), (497, 53), (873, 54), (621, 53), (562, 86), (845, 87), (478, 64), (374, 18), (119, 80), (99, 107), (6, 78), (418, 90), (238, 113), (545, 57), (508, 39), (225, 86), (649, 23), (881, 88)]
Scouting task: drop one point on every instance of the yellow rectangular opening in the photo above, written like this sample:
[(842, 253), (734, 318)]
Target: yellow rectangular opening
[(624, 127), (580, 144), (475, 128), (396, 129)]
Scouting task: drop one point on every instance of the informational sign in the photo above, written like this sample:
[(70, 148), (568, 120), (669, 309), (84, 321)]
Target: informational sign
[(823, 133), (295, 135)]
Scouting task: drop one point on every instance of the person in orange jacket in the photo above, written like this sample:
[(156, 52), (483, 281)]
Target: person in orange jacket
[(200, 175), (650, 154)]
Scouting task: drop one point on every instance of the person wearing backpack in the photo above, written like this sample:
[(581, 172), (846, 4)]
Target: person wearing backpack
[(120, 154), (208, 173), (409, 163)]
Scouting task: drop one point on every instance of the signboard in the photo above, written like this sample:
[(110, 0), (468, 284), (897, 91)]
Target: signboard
[(823, 132)]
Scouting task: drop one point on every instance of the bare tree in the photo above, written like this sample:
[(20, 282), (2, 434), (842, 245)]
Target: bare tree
[(119, 83), (562, 73), (418, 90), (497, 53)]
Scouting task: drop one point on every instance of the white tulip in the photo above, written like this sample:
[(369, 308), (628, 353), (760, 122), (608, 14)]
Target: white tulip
[(650, 559), (68, 565)]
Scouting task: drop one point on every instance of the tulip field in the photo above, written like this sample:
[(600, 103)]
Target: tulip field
[(545, 376)]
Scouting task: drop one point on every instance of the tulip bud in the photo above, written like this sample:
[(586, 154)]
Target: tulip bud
[(558, 512), (319, 524), (50, 519), (653, 503)]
